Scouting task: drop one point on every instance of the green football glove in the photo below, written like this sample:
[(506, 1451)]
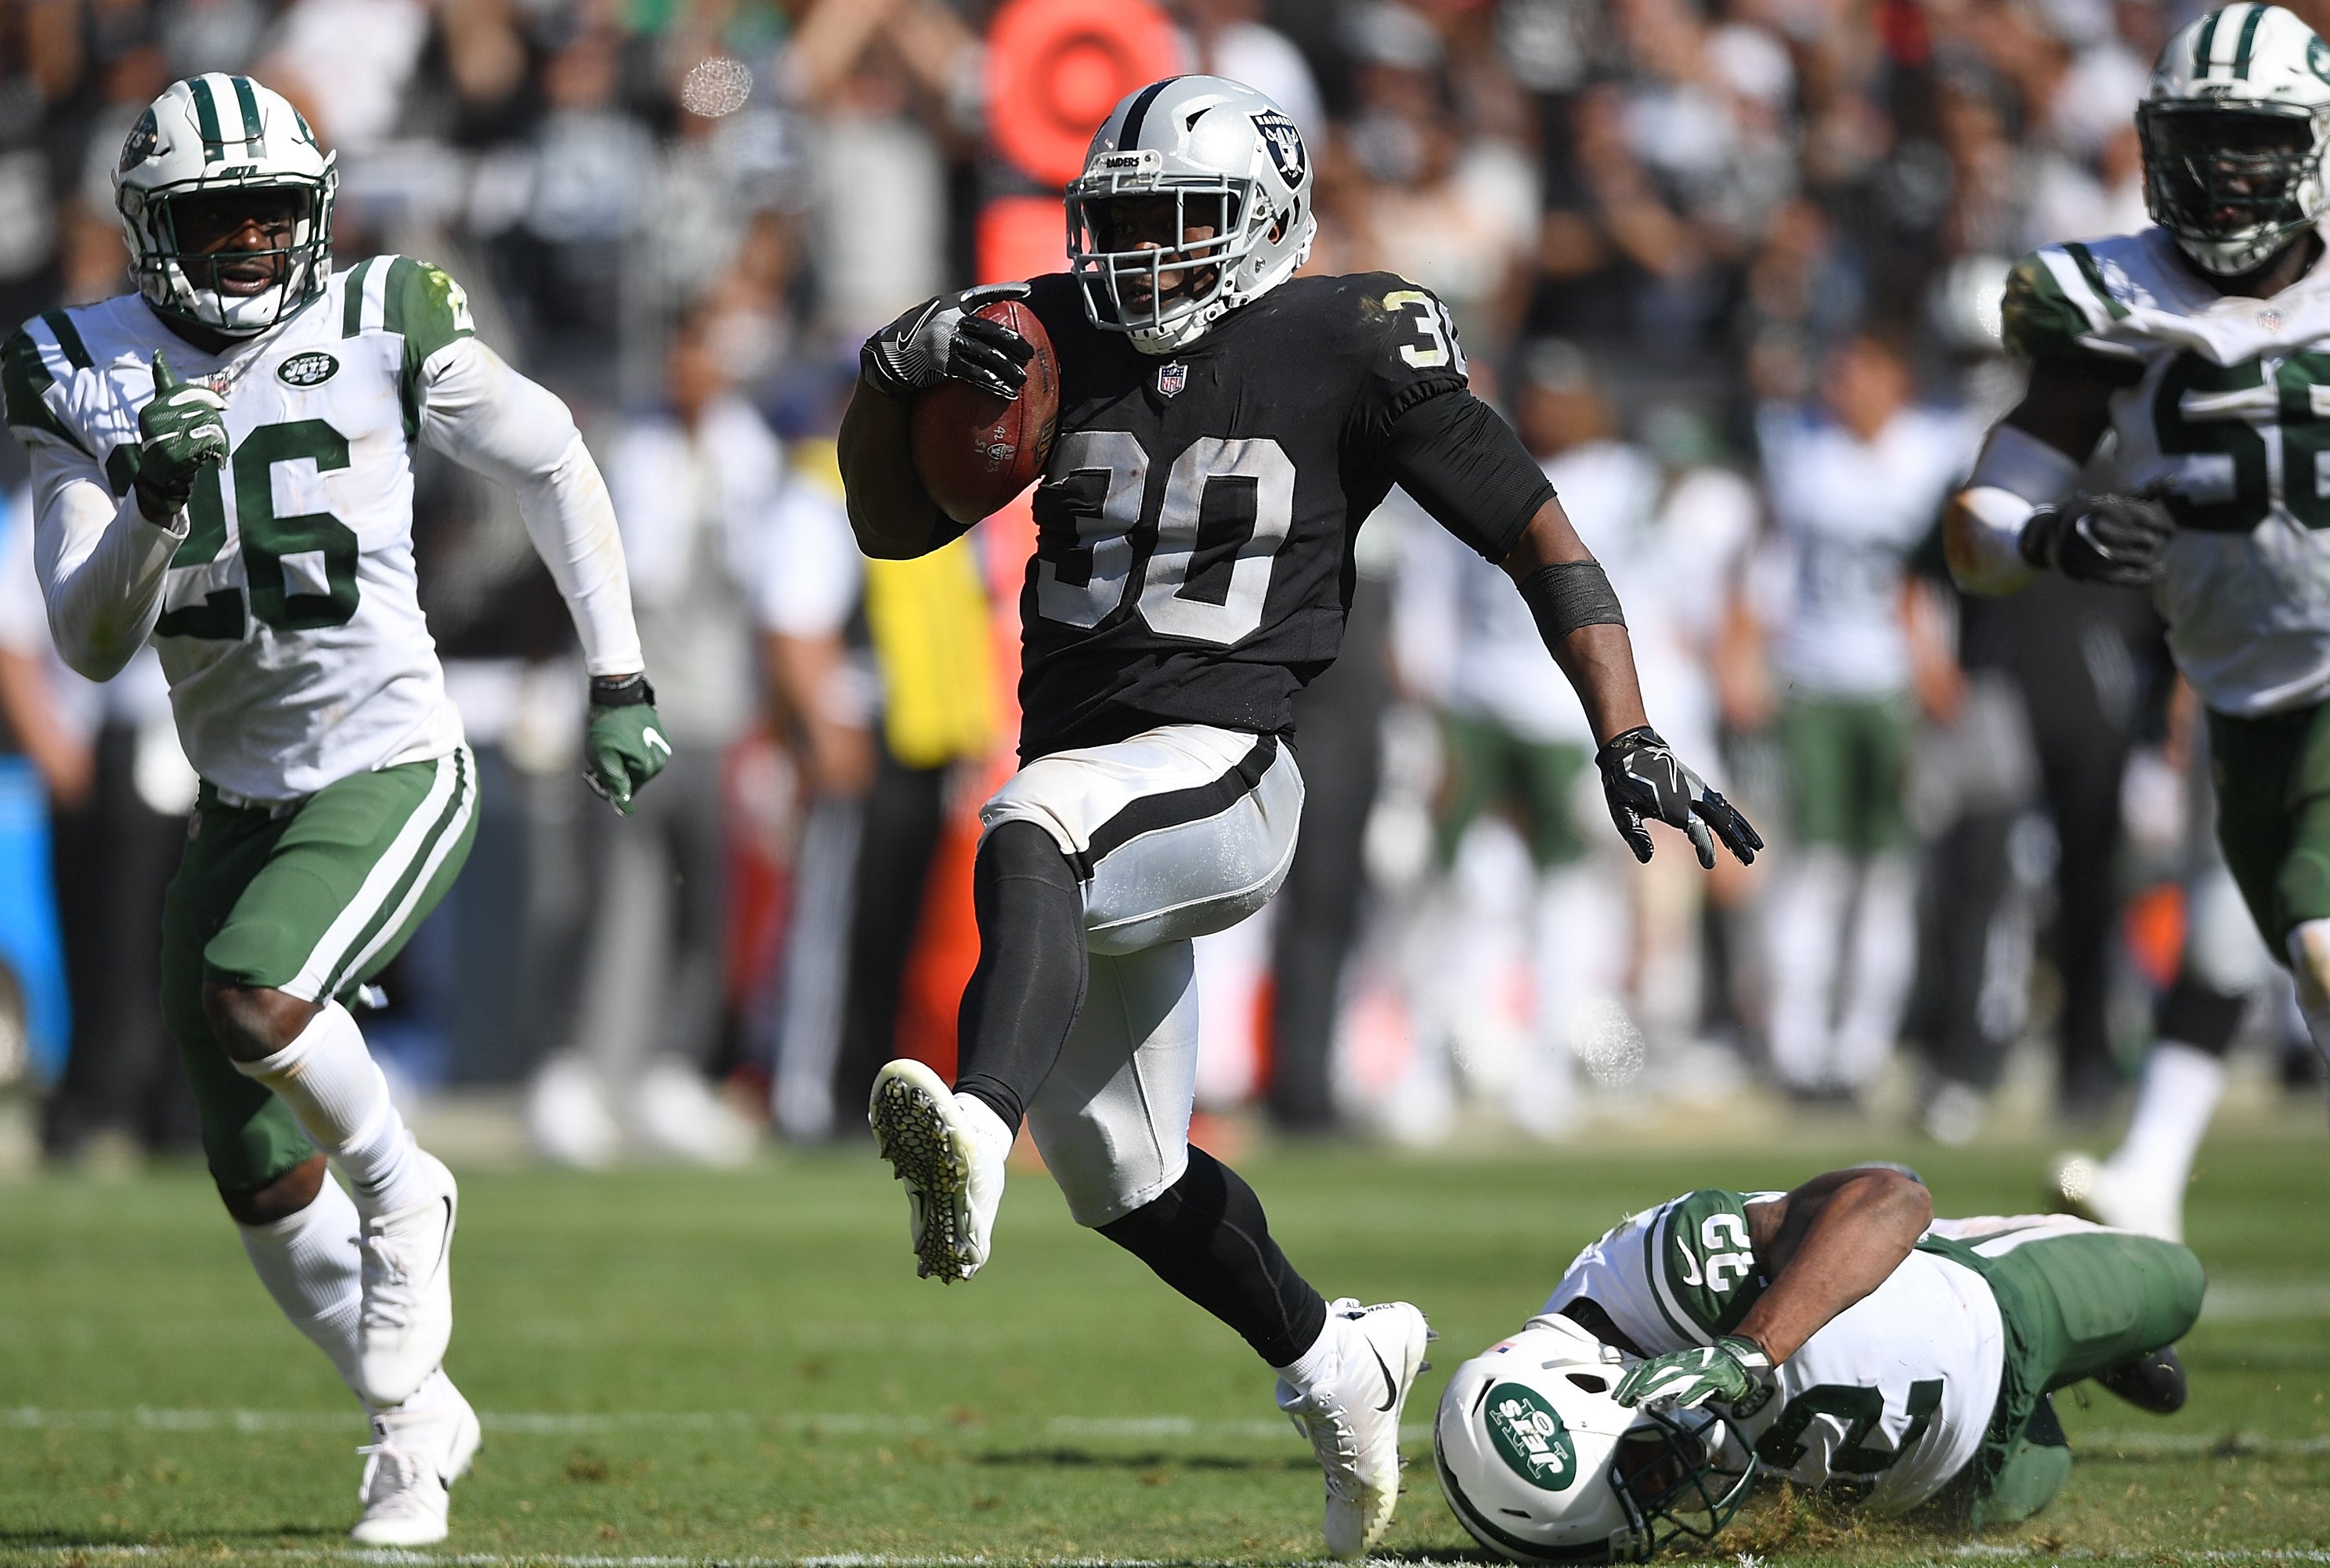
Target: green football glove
[(1730, 1370), (625, 746), (181, 433)]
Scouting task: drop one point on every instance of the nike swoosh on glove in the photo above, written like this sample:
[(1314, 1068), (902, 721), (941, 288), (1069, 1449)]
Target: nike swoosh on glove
[(2113, 539), (1730, 1370), (624, 745), (1643, 780), (942, 339)]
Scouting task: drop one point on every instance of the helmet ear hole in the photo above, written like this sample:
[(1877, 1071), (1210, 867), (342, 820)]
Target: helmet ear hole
[(1589, 1382)]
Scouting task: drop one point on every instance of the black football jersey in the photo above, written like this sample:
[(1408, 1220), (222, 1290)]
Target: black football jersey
[(1195, 522)]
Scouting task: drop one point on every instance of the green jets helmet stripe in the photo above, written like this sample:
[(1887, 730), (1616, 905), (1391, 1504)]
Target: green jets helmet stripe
[(247, 102), (206, 117), (25, 383), (2249, 39), (2204, 40), (76, 352)]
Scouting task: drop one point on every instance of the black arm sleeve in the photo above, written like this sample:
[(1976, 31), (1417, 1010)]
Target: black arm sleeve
[(1465, 466)]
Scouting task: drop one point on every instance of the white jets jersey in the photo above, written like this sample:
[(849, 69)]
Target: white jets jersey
[(1891, 1397), (2225, 402), (290, 627)]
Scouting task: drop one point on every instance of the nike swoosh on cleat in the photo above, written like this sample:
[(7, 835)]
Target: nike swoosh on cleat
[(1391, 1383)]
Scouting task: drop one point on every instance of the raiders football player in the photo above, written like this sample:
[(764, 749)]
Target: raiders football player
[(1225, 428)]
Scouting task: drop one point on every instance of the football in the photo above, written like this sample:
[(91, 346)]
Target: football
[(974, 451)]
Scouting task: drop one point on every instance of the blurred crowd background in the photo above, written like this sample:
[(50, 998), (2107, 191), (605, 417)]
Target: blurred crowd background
[(1733, 267)]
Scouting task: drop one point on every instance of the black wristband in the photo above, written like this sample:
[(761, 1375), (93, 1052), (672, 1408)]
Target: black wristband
[(2037, 540), (1626, 740), (622, 690), (1569, 594)]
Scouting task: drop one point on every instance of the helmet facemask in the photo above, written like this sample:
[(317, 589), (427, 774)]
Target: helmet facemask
[(2233, 184), (1130, 248), (1676, 1478), (181, 275)]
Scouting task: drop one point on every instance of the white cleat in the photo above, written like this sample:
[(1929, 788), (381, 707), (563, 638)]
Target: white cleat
[(407, 1318), (950, 1151), (1352, 1417), (418, 1450), (2096, 1190)]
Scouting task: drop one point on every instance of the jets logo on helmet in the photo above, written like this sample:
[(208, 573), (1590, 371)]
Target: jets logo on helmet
[(1195, 199), (2234, 125), (211, 152)]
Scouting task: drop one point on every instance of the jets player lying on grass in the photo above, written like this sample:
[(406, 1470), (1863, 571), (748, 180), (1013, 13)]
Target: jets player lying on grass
[(1838, 1336), (1223, 429), (222, 462), (2202, 345)]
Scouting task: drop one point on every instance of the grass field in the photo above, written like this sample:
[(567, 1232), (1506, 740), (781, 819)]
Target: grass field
[(676, 1366)]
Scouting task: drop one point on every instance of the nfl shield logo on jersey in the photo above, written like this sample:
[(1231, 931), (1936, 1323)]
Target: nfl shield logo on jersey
[(1171, 378)]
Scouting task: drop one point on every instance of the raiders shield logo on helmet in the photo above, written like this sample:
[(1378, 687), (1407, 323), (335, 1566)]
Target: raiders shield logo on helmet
[(1284, 142)]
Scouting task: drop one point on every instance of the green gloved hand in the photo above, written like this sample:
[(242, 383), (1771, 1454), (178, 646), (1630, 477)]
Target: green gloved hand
[(1730, 1370), (180, 433), (625, 746)]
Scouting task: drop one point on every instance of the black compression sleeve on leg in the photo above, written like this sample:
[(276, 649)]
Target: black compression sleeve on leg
[(1031, 979), (1205, 1237), (2197, 1014)]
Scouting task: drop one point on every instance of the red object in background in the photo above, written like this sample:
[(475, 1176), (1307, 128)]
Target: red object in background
[(2155, 927), (1054, 68), (1021, 237)]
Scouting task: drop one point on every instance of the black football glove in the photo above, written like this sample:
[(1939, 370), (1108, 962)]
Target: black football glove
[(2118, 540), (1644, 779), (941, 340)]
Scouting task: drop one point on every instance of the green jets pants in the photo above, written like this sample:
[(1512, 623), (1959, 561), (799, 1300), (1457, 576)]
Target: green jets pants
[(2273, 815), (1492, 769), (312, 900), (2074, 1305), (1848, 762)]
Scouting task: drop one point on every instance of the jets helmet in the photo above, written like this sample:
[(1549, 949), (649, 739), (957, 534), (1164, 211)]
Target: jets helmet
[(204, 136), (2234, 125), (1229, 160), (1543, 1466)]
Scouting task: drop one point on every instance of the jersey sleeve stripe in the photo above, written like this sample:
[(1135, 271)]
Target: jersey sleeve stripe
[(1654, 1268), (399, 276), (375, 295), (67, 336), (26, 382), (2093, 276), (353, 286)]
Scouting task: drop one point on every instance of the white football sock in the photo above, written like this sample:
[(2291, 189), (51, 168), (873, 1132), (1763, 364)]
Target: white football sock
[(1803, 926), (309, 1263), (1884, 959), (2173, 1104), (1318, 1364), (339, 1097)]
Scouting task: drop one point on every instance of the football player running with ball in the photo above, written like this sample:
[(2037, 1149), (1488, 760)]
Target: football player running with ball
[(1223, 429), (2202, 345), (223, 462), (1837, 1335)]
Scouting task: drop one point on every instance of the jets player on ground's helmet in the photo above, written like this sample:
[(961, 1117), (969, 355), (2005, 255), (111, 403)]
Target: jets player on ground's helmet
[(1543, 1466), (227, 202), (1195, 199), (2234, 125)]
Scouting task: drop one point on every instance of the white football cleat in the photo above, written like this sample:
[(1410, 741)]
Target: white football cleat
[(675, 1111), (407, 1319), (418, 1450), (1352, 1417), (568, 1117), (2101, 1193), (950, 1151)]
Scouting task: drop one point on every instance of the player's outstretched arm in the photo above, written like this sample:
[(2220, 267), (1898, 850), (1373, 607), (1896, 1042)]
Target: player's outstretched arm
[(102, 564), (486, 416), (941, 339), (1822, 1248)]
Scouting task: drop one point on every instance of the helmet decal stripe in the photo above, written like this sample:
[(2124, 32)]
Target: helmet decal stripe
[(2248, 37), (2204, 41), (252, 125), (206, 118), (1129, 137)]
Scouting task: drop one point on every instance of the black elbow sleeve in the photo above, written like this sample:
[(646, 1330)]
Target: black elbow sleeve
[(1464, 465)]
